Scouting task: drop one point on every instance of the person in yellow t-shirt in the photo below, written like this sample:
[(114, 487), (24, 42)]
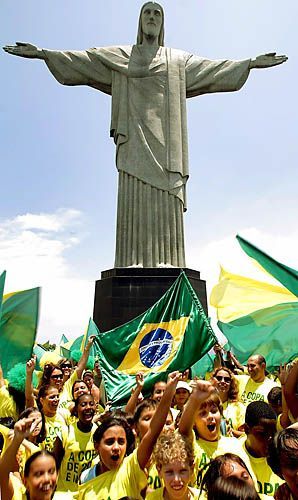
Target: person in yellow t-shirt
[(118, 476), (235, 477), (255, 386), (283, 459), (141, 420), (174, 459), (260, 427), (74, 450), (47, 402), (40, 474), (228, 391), (202, 413)]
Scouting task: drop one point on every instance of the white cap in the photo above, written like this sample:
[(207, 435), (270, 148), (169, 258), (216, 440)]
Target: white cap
[(183, 385)]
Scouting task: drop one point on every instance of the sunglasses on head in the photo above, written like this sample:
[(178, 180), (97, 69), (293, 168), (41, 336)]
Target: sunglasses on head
[(225, 379), (57, 376), (65, 366)]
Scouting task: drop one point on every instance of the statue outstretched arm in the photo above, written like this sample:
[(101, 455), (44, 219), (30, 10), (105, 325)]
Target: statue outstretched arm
[(267, 60), (28, 50)]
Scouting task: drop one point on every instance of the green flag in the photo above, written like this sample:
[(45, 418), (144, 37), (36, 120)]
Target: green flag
[(2, 283), (287, 276), (18, 326), (259, 317), (63, 339), (172, 335)]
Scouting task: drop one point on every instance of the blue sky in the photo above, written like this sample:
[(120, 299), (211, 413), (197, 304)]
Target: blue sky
[(59, 181)]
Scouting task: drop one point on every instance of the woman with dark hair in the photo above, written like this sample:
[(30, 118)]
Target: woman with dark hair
[(283, 460), (228, 390), (120, 474), (54, 375), (227, 477), (47, 402), (74, 449), (40, 472)]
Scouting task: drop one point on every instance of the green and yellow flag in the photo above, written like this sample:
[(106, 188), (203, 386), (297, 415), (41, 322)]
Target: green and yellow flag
[(258, 317), (172, 335), (18, 327)]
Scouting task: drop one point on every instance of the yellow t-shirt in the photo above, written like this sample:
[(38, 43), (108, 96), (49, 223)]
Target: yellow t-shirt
[(25, 450), (128, 480), (7, 405), (250, 391), (65, 396), (79, 455), (54, 427), (267, 481), (204, 451), (194, 494), (234, 413), (154, 481)]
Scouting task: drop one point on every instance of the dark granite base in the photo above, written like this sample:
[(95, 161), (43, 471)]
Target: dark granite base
[(123, 293)]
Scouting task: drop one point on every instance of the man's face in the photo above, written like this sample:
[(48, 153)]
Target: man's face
[(151, 20), (256, 369), (259, 436)]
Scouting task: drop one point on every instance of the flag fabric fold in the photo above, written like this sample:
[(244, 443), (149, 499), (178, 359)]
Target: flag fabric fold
[(18, 327), (287, 276), (258, 317), (172, 335)]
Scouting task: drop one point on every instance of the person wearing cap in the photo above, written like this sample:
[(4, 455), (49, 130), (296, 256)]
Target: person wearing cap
[(182, 394)]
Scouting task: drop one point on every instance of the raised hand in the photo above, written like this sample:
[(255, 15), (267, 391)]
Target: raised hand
[(25, 427), (283, 373), (201, 389), (140, 380), (30, 365), (173, 378), (22, 49), (267, 60)]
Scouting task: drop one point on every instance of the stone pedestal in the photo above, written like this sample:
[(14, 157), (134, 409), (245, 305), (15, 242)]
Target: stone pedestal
[(123, 293)]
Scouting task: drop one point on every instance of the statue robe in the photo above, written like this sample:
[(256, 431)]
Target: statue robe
[(149, 87)]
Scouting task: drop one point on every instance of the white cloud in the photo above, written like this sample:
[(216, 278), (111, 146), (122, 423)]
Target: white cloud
[(33, 251)]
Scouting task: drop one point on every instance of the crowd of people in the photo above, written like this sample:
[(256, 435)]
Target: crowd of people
[(233, 435)]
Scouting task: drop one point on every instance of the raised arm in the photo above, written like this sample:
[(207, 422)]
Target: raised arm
[(157, 423), (290, 390), (22, 429), (133, 400), (84, 358), (267, 60), (28, 50), (201, 390), (29, 395)]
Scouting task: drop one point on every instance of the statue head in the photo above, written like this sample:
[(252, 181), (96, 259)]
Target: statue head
[(142, 27)]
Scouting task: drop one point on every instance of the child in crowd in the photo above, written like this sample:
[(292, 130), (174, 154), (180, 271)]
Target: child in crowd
[(119, 476), (174, 460), (260, 427), (228, 466), (74, 450), (40, 473), (283, 459), (182, 394), (202, 413)]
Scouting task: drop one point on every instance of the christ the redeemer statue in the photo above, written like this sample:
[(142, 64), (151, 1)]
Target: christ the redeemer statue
[(149, 84)]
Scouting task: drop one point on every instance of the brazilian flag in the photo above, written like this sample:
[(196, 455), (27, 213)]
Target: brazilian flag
[(259, 317), (18, 327), (172, 335)]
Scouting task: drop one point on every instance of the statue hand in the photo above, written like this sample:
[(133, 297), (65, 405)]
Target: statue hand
[(267, 60), (24, 50)]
